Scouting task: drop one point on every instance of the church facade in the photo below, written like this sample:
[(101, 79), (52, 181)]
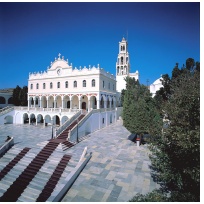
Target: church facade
[(65, 87)]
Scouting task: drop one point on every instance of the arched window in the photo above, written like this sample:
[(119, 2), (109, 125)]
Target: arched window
[(109, 85), (58, 85), (43, 85), (121, 48), (31, 86), (75, 83), (113, 87), (121, 60), (66, 84), (84, 83), (51, 85), (103, 84), (37, 86), (93, 83)]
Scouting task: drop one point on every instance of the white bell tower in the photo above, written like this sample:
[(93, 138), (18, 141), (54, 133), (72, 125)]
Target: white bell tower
[(122, 65)]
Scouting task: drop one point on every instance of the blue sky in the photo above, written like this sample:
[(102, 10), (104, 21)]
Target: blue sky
[(159, 35)]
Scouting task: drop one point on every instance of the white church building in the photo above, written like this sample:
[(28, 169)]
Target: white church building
[(58, 93)]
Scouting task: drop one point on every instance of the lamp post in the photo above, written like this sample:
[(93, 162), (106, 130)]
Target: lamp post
[(77, 132)]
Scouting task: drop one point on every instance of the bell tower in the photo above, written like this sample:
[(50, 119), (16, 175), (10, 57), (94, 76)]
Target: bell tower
[(122, 65)]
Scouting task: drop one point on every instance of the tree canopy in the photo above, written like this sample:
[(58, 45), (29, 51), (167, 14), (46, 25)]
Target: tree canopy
[(175, 151), (20, 96)]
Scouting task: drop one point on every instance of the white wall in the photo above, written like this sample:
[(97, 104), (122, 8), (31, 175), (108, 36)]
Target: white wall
[(95, 122)]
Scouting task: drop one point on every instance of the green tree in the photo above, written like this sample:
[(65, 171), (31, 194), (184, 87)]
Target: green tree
[(16, 93), (175, 154), (139, 111), (23, 96), (20, 96), (129, 104), (122, 96)]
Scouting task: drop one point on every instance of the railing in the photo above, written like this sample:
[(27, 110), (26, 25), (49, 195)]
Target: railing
[(6, 110), (61, 110), (81, 122), (67, 123)]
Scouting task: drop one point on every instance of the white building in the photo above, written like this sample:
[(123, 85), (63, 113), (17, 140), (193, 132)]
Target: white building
[(62, 87), (123, 66), (155, 86)]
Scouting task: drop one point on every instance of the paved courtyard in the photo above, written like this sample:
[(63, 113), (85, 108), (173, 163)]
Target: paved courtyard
[(117, 170), (25, 135)]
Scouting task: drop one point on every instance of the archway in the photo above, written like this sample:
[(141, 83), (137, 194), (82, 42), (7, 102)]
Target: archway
[(56, 120), (10, 100), (84, 105), (37, 101), (32, 118), (58, 102), (43, 102), (64, 119), (93, 102), (50, 102), (39, 118), (47, 119), (75, 102), (66, 100), (84, 102), (8, 119), (2, 100), (25, 118)]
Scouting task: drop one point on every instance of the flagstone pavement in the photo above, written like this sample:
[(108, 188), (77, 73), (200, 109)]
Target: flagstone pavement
[(117, 170)]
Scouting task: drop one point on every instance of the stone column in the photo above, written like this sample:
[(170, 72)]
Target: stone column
[(47, 104), (34, 102), (98, 104), (70, 105), (29, 120), (28, 104), (40, 103), (44, 122), (89, 105), (80, 104), (62, 104), (105, 104), (55, 104)]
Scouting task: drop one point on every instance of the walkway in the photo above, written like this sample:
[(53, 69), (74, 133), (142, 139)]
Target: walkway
[(117, 170)]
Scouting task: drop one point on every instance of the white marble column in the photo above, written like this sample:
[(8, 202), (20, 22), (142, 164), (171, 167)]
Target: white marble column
[(79, 104), (98, 104)]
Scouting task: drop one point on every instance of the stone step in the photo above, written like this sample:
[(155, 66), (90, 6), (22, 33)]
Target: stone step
[(24, 198)]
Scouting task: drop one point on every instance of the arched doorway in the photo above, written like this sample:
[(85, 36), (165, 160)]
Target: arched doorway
[(25, 118), (56, 120), (93, 102), (66, 101), (84, 105), (84, 102)]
